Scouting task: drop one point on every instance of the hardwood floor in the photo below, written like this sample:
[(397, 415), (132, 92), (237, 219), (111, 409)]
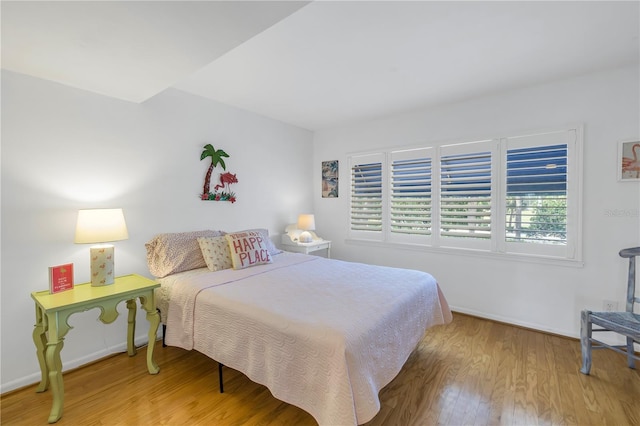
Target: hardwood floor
[(470, 372)]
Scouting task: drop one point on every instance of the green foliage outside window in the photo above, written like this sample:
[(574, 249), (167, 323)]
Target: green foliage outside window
[(537, 219)]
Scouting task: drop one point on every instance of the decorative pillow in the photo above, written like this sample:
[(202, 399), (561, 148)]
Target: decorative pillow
[(215, 251), (176, 252), (273, 250), (248, 248)]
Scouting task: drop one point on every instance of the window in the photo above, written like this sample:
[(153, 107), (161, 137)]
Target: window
[(517, 195), (366, 195), (466, 194), (537, 195), (542, 199), (410, 194)]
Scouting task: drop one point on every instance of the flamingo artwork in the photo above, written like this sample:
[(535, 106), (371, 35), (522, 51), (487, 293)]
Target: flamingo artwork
[(631, 166)]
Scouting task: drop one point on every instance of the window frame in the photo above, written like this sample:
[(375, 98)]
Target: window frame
[(496, 245), (573, 139)]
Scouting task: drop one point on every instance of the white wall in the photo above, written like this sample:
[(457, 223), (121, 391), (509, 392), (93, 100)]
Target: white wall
[(542, 296), (64, 149)]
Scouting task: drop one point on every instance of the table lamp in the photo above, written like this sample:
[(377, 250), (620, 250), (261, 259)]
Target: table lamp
[(306, 222), (101, 226)]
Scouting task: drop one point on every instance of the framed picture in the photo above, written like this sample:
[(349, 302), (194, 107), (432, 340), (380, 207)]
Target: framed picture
[(330, 179), (629, 161)]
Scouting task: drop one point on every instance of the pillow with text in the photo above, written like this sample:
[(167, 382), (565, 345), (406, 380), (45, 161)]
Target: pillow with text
[(248, 248)]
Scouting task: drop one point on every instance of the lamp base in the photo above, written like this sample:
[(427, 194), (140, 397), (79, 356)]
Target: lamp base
[(102, 265), (305, 237)]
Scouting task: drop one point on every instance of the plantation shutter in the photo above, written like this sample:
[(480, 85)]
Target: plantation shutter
[(466, 191), (366, 194), (539, 189), (410, 192)]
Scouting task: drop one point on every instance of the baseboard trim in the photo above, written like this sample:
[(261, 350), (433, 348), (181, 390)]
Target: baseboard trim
[(74, 364), (616, 338), (512, 322)]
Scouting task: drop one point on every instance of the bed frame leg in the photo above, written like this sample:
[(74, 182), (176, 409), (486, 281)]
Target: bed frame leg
[(220, 377), (164, 330)]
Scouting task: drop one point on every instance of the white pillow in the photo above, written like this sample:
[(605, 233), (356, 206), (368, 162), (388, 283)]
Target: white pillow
[(265, 232), (248, 248)]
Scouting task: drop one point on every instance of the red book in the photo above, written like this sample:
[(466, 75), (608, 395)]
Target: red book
[(60, 278)]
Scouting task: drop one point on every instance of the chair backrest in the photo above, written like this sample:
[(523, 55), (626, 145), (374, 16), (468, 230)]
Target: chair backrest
[(631, 254)]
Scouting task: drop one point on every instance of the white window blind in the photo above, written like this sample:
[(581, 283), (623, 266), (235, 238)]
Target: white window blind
[(518, 195), (410, 187), (366, 193), (541, 193), (537, 194), (466, 190)]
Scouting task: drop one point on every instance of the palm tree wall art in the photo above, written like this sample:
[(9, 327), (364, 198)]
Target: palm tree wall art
[(226, 179)]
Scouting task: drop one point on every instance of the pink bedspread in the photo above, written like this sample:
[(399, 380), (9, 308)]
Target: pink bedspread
[(324, 335)]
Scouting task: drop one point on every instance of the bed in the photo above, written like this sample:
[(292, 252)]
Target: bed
[(324, 335)]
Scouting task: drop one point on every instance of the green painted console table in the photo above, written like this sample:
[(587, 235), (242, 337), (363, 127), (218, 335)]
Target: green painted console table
[(53, 311)]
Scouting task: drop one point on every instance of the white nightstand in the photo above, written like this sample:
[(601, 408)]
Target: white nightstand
[(290, 242), (306, 248)]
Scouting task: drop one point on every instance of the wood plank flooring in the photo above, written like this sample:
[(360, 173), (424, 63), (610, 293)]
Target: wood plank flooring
[(470, 372)]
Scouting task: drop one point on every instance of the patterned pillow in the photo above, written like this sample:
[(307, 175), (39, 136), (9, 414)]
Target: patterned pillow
[(248, 248), (176, 252), (215, 251)]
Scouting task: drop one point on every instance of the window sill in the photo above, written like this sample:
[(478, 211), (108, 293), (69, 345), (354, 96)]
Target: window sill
[(518, 257)]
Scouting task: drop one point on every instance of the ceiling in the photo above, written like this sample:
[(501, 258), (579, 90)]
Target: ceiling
[(316, 64)]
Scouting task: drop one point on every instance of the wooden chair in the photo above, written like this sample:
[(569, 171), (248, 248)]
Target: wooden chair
[(626, 323)]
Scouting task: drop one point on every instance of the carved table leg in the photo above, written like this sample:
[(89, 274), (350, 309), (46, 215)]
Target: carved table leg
[(154, 321), (54, 365), (40, 340), (131, 331), (148, 303)]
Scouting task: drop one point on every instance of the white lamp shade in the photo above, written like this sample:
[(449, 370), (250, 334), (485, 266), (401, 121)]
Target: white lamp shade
[(100, 226), (306, 222)]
